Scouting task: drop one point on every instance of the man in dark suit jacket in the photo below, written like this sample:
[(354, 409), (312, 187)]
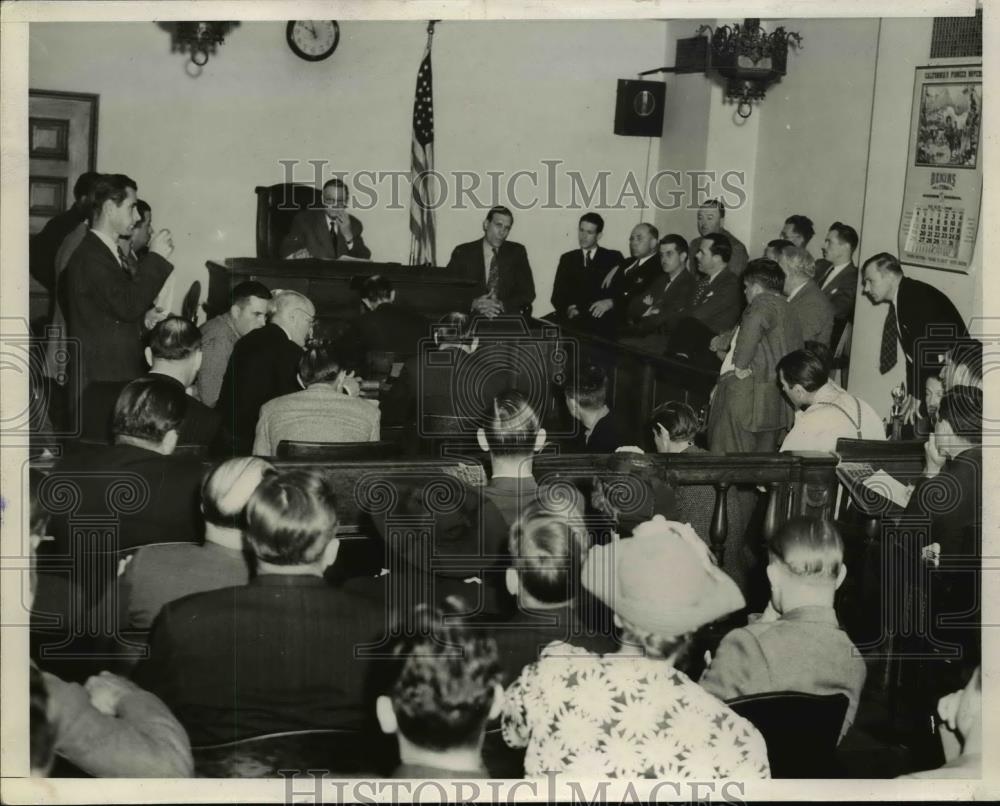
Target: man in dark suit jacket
[(714, 308), (627, 280), (668, 292), (810, 305), (384, 325), (913, 309), (174, 354), (264, 365), (587, 401), (580, 271), (280, 653), (498, 267), (131, 494), (107, 304), (837, 276), (329, 233), (44, 244), (748, 412)]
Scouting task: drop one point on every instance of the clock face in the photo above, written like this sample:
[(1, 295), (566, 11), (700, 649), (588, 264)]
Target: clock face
[(313, 39)]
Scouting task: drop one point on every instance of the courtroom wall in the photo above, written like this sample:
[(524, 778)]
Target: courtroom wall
[(508, 95)]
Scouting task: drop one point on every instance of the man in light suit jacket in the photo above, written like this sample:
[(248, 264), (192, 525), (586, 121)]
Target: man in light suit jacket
[(837, 276), (748, 413), (498, 267), (107, 303), (329, 233), (810, 305), (669, 292), (797, 644), (580, 272)]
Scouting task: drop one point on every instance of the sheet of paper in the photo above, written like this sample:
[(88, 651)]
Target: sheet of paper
[(885, 485)]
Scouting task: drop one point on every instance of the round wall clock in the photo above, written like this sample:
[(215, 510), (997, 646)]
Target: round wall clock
[(313, 40)]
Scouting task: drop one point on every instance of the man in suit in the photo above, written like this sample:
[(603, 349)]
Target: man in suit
[(44, 244), (837, 276), (498, 267), (798, 230), (711, 216), (174, 354), (279, 653), (250, 301), (107, 303), (587, 401), (667, 293), (913, 309), (328, 234), (810, 305), (264, 365), (714, 308), (384, 325), (136, 247), (580, 271), (797, 643), (625, 281), (748, 413)]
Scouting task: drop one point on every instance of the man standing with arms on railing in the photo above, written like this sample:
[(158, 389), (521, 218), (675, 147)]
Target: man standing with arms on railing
[(499, 268)]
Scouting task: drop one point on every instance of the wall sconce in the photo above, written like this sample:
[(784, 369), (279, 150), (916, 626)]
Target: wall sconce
[(749, 58), (199, 39)]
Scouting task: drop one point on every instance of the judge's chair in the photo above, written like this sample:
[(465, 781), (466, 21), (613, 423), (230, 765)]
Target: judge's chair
[(276, 208)]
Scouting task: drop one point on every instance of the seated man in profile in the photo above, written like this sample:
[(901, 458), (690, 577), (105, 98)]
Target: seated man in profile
[(441, 686), (276, 654), (797, 644), (330, 233)]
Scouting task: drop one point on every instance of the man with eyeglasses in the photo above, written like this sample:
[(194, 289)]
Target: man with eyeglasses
[(330, 233), (263, 366)]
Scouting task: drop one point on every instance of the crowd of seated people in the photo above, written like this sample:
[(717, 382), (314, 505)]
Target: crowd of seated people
[(210, 605)]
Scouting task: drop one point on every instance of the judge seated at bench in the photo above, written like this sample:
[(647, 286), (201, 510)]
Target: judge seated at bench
[(328, 234)]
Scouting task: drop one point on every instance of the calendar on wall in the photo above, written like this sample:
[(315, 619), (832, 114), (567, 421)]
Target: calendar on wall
[(944, 176)]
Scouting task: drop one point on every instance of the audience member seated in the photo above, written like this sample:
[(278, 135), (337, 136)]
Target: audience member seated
[(675, 426), (796, 644), (264, 365), (329, 409), (384, 326), (135, 489), (711, 215), (669, 292), (219, 335), (442, 689), (174, 354), (631, 491), (715, 304), (107, 728), (499, 268), (580, 272), (962, 365), (629, 279), (511, 436), (747, 412), (798, 230), (163, 573), (824, 412), (926, 419), (280, 653), (547, 545), (634, 714), (961, 730), (948, 501), (774, 248), (810, 305), (330, 233), (587, 401)]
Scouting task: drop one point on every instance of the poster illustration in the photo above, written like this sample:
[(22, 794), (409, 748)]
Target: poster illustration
[(944, 178)]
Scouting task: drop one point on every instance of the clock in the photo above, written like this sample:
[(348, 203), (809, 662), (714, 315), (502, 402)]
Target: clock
[(313, 40)]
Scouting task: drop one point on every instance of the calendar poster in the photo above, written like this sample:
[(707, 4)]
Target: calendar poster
[(944, 172)]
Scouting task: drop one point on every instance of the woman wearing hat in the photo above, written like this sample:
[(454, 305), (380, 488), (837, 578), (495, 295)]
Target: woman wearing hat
[(633, 714)]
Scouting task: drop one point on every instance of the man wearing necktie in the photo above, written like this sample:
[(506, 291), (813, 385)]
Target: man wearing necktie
[(327, 234), (913, 310), (580, 272), (629, 278), (498, 268), (106, 303), (669, 292)]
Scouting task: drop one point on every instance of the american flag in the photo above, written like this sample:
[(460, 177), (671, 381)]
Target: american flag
[(422, 235)]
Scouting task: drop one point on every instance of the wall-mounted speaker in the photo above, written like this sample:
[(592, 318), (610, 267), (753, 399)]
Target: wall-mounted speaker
[(639, 108)]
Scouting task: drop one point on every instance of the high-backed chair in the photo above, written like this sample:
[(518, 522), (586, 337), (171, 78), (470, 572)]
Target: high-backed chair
[(801, 730), (276, 208)]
